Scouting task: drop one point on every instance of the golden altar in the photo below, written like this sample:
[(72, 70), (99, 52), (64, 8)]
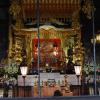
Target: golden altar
[(53, 40), (59, 46)]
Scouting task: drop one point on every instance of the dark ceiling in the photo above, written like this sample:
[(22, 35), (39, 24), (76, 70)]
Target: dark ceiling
[(97, 14)]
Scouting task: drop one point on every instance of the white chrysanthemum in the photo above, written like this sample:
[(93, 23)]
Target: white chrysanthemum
[(11, 69)]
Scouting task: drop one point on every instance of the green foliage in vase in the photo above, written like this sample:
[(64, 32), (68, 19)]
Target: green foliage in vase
[(11, 70), (88, 69)]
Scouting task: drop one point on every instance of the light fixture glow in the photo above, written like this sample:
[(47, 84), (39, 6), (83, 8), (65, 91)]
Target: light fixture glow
[(24, 70), (77, 70)]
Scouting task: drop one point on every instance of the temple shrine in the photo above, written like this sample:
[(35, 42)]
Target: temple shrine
[(45, 35)]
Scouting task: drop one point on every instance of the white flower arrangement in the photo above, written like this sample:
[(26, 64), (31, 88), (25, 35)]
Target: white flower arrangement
[(89, 72), (88, 69), (11, 69)]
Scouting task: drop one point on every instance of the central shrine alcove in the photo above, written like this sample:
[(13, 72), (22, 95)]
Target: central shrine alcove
[(50, 53), (49, 44), (58, 47)]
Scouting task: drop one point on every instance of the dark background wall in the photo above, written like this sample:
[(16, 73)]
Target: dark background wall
[(4, 21)]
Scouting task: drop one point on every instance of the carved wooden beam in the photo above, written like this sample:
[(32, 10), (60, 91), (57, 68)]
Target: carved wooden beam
[(50, 7)]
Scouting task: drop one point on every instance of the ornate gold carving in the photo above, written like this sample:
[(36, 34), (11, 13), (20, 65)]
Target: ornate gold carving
[(19, 24), (15, 9), (78, 51), (88, 8), (16, 51), (28, 48), (75, 20), (67, 36)]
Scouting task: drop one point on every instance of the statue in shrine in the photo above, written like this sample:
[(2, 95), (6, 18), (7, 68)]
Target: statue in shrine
[(70, 65)]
